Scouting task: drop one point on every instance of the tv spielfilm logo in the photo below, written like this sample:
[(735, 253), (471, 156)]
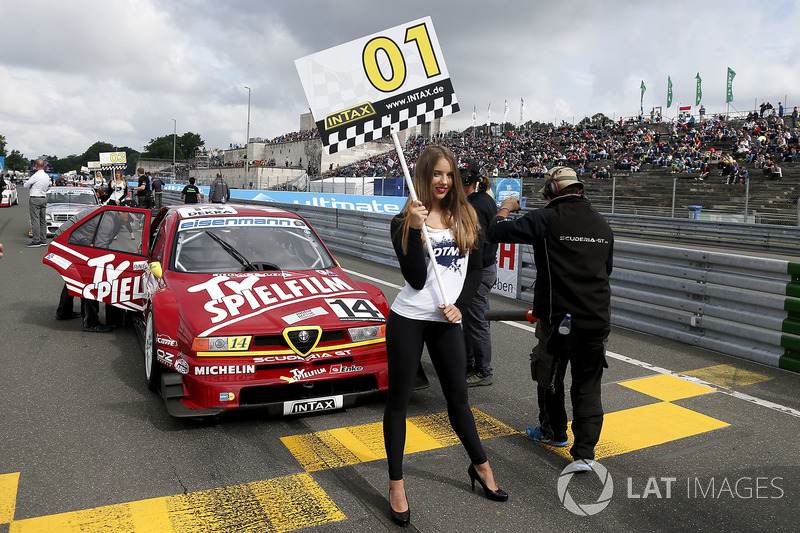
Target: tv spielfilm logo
[(585, 509)]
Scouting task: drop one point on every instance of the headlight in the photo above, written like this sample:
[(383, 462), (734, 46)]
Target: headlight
[(367, 333), (48, 216), (221, 344)]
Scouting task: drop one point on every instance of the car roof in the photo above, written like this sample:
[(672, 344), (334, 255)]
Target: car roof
[(241, 210)]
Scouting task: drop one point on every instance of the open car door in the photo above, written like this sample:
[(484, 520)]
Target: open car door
[(103, 255)]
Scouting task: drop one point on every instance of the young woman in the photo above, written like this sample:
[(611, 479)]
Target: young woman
[(418, 317), (119, 191), (99, 182)]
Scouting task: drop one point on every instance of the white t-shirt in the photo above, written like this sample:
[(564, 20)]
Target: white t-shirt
[(118, 191), (452, 266)]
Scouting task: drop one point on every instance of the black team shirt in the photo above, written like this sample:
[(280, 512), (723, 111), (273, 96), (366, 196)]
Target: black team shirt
[(190, 194)]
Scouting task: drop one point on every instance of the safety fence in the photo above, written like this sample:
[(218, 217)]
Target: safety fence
[(739, 305)]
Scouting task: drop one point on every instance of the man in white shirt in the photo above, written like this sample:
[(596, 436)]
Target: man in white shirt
[(38, 185)]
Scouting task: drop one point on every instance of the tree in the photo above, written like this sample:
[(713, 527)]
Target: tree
[(2, 145), (185, 146), (189, 143), (16, 161)]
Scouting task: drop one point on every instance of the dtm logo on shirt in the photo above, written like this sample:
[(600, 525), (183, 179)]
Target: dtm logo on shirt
[(448, 255)]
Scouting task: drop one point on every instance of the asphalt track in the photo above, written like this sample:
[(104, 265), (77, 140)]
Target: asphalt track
[(85, 446)]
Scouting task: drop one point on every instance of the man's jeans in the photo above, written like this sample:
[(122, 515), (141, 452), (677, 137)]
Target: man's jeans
[(38, 209), (476, 328)]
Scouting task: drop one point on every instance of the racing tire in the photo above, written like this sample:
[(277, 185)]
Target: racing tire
[(152, 368)]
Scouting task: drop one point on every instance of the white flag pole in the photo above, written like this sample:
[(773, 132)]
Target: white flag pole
[(413, 194)]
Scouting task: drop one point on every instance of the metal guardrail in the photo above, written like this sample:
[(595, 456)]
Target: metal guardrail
[(761, 237), (740, 305)]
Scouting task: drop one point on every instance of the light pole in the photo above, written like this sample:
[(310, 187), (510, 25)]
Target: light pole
[(174, 143), (247, 138)]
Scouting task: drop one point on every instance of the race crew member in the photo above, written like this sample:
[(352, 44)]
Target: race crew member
[(573, 247), (190, 193), (477, 334), (219, 192), (99, 235), (143, 195), (38, 185)]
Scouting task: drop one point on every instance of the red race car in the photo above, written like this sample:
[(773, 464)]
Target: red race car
[(238, 306)]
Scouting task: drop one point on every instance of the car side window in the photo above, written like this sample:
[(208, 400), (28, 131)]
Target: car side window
[(157, 250), (84, 234), (120, 231)]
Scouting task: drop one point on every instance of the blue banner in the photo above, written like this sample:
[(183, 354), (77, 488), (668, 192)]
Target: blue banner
[(506, 187), (2, 163), (390, 205)]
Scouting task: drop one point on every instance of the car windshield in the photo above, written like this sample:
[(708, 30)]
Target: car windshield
[(85, 198), (237, 244)]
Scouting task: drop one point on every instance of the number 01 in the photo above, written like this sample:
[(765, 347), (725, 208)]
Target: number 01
[(369, 57)]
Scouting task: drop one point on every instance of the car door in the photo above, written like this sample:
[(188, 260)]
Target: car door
[(103, 255)]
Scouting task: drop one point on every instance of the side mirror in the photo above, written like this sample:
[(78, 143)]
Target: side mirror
[(156, 270)]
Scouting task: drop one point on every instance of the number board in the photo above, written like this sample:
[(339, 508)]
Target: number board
[(386, 82)]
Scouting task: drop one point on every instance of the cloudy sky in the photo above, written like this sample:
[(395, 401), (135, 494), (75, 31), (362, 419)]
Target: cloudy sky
[(79, 71)]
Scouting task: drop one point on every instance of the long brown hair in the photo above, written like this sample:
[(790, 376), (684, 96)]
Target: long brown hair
[(458, 214)]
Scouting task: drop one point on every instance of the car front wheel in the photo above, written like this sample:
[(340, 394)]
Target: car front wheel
[(152, 368)]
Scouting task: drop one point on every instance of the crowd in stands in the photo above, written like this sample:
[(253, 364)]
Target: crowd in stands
[(295, 136), (689, 146)]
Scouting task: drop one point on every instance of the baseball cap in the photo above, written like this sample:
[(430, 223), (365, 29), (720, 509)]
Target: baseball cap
[(565, 176)]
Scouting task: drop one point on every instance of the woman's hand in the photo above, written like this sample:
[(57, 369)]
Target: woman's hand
[(418, 215), (451, 313)]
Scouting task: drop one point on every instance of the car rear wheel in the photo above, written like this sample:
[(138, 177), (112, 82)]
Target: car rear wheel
[(152, 368)]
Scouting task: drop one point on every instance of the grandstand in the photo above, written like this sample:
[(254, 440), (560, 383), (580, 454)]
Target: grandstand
[(642, 162)]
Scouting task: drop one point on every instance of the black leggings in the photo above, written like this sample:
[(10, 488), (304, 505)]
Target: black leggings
[(445, 341)]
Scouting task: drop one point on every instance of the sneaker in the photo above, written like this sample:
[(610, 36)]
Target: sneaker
[(33, 244), (536, 434), (70, 316), (42, 244), (477, 379), (580, 466)]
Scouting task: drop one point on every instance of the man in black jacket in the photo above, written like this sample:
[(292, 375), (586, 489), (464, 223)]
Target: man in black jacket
[(573, 246), (477, 334)]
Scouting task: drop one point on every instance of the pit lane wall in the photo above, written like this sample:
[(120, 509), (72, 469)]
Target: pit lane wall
[(740, 305)]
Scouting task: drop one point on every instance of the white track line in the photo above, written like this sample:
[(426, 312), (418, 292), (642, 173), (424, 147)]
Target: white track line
[(642, 364)]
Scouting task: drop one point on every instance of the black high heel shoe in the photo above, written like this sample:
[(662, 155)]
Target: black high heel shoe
[(498, 495), (401, 519)]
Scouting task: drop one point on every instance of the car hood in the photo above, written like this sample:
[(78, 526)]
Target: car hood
[(69, 209), (263, 303)]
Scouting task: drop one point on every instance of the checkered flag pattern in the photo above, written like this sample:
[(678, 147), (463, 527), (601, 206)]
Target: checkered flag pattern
[(337, 90), (396, 121), (114, 166)]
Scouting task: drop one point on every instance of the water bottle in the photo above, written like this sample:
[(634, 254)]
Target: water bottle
[(566, 325)]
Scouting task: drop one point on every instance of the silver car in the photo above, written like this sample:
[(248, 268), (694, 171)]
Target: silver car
[(62, 202)]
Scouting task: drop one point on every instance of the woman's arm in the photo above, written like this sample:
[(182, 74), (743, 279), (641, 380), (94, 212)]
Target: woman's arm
[(412, 264)]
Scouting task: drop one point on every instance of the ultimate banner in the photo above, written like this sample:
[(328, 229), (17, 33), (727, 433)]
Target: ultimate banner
[(386, 82)]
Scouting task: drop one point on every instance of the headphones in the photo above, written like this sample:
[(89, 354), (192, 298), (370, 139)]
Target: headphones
[(551, 188)]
